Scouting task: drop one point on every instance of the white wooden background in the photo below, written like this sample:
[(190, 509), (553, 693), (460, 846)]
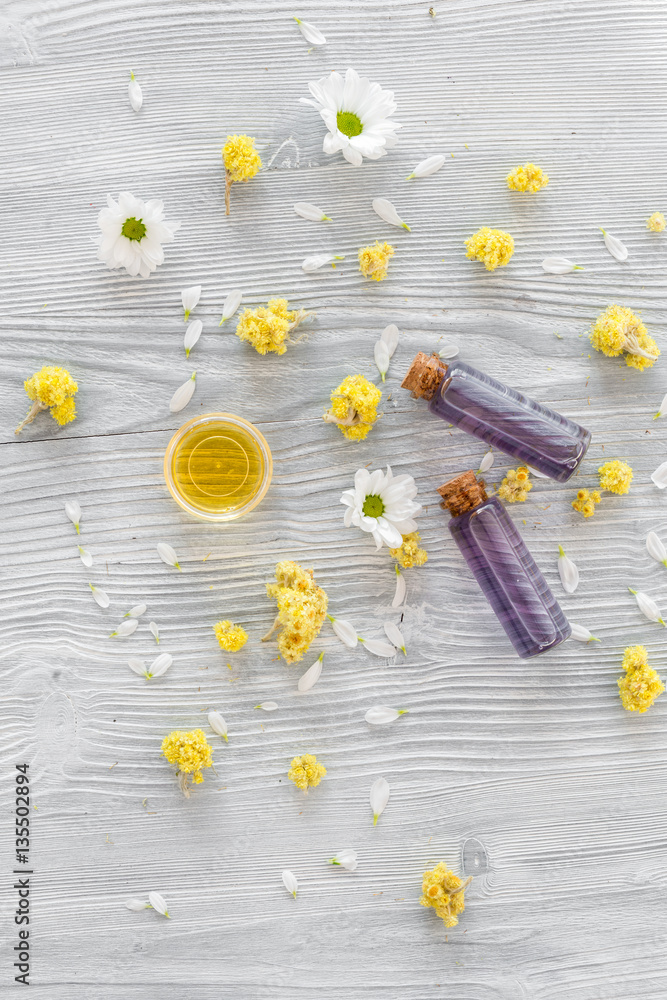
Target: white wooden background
[(528, 775)]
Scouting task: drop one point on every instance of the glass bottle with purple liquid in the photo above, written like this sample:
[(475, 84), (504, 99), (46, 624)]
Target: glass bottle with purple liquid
[(503, 417), (503, 567)]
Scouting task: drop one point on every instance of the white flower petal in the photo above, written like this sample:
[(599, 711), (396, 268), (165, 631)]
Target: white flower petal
[(73, 512), (582, 634), (647, 606), (183, 395), (399, 595), (312, 675), (138, 666), (381, 355), (379, 715), (218, 725), (136, 612), (155, 631), (390, 337), (167, 554), (126, 627), (615, 247), (448, 350), (394, 635), (379, 797), (190, 297), (310, 212), (135, 95), (101, 596), (569, 574), (537, 473), (267, 706), (378, 647), (136, 905), (231, 304), (315, 261), (345, 631), (663, 408), (656, 548), (86, 557), (388, 213), (158, 903), (427, 166), (559, 265), (192, 335), (659, 477), (311, 33), (345, 859), (160, 665), (487, 461), (290, 882)]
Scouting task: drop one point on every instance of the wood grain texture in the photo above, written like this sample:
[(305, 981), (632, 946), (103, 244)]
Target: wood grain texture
[(528, 775)]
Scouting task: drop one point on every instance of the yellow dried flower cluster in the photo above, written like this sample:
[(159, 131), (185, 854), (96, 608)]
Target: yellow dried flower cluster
[(354, 407), (302, 606), (53, 389), (492, 247), (516, 485), (374, 260), (191, 752), (241, 159), (444, 891), (616, 330), (231, 637), (527, 178), (268, 327), (586, 501), (656, 222), (305, 772), (641, 685), (615, 476), (409, 554)]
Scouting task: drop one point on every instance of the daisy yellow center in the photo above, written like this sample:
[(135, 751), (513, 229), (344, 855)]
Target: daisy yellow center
[(133, 229), (373, 505), (349, 124)]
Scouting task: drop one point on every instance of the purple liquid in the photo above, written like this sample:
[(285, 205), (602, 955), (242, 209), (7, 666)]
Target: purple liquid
[(511, 422), (510, 579)]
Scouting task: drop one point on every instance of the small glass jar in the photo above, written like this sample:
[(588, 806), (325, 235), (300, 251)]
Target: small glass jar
[(218, 466)]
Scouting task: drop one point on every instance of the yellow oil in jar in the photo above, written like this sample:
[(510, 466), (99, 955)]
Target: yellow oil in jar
[(218, 466)]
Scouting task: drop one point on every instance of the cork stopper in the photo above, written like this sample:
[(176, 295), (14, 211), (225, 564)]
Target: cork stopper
[(424, 376), (462, 493)]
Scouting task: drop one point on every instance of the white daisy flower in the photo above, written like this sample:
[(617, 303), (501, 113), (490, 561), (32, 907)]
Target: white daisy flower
[(346, 859), (134, 93), (382, 504), (190, 297), (310, 32), (356, 113), (133, 232)]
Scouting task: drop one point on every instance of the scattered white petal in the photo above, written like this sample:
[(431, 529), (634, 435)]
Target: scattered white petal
[(569, 574), (136, 905), (659, 477), (192, 335), (395, 636), (487, 461), (138, 666), (190, 297), (381, 354), (183, 395), (388, 213), (136, 612), (290, 882), (399, 595), (647, 606), (134, 93), (155, 631), (378, 648), (448, 350), (656, 548), (559, 265), (345, 631), (390, 337), (312, 675), (537, 473), (160, 665), (159, 903), (86, 557), (73, 512), (663, 408), (101, 596), (346, 859), (379, 797), (167, 555), (310, 212), (381, 714), (318, 260), (427, 167), (218, 725), (311, 33), (126, 627), (231, 304), (582, 634), (615, 247), (267, 706)]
